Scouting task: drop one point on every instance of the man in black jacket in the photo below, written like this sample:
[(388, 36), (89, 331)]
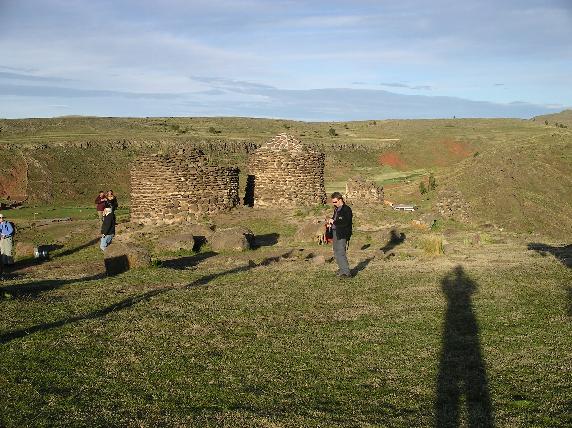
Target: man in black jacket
[(341, 224), (107, 228)]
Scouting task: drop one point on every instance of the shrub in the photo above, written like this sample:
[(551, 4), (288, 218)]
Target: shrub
[(332, 132), (432, 182), (432, 245), (422, 188)]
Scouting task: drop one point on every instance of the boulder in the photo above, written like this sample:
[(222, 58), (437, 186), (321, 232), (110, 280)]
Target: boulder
[(232, 239), (182, 241), (24, 249), (120, 257), (310, 231)]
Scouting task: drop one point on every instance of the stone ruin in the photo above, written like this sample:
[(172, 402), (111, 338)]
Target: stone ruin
[(284, 172), (360, 190), (180, 187)]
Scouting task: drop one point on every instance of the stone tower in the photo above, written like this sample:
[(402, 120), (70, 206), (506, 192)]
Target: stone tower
[(284, 172), (181, 187)]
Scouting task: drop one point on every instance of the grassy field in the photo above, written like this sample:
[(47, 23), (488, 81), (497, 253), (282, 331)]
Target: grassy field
[(464, 320), (479, 336)]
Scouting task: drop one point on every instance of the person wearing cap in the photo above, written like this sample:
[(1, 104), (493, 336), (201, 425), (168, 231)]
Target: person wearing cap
[(107, 228), (6, 240)]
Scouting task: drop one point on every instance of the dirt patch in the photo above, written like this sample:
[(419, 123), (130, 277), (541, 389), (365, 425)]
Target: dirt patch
[(450, 150), (392, 159)]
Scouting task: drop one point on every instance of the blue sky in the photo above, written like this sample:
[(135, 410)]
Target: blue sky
[(309, 60)]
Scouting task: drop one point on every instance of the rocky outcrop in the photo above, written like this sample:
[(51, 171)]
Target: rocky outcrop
[(359, 190)]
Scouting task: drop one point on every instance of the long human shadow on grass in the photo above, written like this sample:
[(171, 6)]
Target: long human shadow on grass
[(462, 368), (130, 301), (35, 288), (31, 261), (183, 263), (395, 239), (361, 266), (78, 248), (563, 253)]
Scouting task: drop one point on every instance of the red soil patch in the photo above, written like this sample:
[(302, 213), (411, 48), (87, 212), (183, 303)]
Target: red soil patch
[(392, 159), (14, 182), (457, 148)]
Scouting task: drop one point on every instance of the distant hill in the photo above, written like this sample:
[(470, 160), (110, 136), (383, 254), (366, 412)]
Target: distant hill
[(514, 173), (564, 117), (522, 186)]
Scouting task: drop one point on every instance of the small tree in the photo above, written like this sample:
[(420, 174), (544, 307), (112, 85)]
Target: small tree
[(332, 132), (422, 188), (432, 182)]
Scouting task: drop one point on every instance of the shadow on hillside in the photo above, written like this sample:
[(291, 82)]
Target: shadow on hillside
[(127, 303), (35, 288), (395, 239), (186, 262), (462, 368), (563, 254)]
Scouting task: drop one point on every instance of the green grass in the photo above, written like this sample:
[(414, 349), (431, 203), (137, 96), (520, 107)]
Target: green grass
[(285, 344)]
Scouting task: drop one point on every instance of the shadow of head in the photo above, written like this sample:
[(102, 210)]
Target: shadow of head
[(457, 285)]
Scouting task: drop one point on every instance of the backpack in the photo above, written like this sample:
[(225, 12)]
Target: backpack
[(13, 227)]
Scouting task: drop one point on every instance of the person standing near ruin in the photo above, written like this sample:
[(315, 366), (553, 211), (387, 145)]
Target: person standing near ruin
[(107, 228), (6, 240), (341, 224), (111, 201), (100, 202)]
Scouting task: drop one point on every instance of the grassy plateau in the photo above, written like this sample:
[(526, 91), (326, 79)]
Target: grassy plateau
[(455, 316)]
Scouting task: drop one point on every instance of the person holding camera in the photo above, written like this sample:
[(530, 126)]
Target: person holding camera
[(341, 226)]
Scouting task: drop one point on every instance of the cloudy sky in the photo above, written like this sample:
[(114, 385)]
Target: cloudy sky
[(309, 60)]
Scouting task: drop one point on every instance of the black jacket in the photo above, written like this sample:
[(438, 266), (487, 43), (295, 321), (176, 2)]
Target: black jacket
[(343, 223), (113, 204), (108, 225)]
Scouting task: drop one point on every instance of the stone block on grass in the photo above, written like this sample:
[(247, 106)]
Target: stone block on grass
[(232, 239), (182, 241), (120, 257)]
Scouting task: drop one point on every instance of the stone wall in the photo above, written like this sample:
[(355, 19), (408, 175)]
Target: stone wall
[(360, 190), (283, 172), (181, 187)]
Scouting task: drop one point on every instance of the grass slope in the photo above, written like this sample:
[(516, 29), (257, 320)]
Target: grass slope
[(479, 336)]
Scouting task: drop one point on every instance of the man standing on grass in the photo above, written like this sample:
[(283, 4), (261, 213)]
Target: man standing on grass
[(341, 224), (6, 240)]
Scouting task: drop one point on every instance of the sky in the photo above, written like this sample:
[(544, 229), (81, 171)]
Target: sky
[(293, 59)]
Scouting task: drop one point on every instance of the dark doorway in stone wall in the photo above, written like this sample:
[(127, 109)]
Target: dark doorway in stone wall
[(249, 191)]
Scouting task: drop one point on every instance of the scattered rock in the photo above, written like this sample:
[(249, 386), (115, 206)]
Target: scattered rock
[(119, 257), (232, 239), (318, 260), (310, 231), (24, 248), (183, 241)]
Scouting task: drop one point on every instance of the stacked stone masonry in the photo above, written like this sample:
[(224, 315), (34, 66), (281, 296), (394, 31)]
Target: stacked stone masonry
[(360, 190), (284, 173), (181, 187)]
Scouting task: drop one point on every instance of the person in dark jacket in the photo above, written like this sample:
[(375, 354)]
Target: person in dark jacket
[(100, 203), (107, 228), (111, 201), (341, 224)]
